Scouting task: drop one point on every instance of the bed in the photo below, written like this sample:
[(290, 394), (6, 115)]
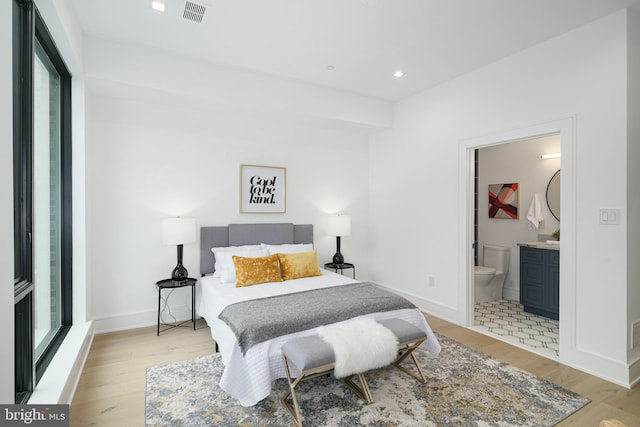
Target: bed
[(250, 368)]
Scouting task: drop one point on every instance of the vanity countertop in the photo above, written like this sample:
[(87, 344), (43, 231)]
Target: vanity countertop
[(541, 245)]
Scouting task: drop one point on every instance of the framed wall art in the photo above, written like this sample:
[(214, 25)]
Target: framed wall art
[(504, 200), (262, 189)]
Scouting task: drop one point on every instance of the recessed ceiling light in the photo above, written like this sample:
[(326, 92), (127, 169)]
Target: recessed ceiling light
[(158, 5), (398, 73)]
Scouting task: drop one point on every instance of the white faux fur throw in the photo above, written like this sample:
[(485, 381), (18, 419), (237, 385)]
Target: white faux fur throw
[(360, 345)]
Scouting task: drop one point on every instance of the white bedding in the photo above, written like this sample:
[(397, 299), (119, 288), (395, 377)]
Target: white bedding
[(249, 378)]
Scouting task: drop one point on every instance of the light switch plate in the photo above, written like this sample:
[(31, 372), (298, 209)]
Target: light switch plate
[(610, 216)]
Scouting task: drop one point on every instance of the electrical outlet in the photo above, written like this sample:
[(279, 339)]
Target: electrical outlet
[(432, 281)]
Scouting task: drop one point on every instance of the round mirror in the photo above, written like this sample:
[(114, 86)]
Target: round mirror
[(553, 195)]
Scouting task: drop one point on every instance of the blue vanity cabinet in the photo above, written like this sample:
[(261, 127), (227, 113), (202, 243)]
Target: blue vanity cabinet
[(540, 281)]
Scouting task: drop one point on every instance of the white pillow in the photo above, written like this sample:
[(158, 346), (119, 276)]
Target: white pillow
[(218, 267), (228, 273), (288, 248)]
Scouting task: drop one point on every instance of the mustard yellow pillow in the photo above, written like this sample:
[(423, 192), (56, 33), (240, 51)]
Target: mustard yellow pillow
[(302, 264), (252, 271)]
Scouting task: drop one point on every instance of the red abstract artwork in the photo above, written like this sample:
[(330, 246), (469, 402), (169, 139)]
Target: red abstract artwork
[(503, 201)]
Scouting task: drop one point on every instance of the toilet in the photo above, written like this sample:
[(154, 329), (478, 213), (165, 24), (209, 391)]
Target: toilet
[(489, 278)]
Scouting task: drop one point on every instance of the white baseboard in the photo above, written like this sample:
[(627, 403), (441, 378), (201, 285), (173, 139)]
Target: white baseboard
[(445, 312), (634, 373), (141, 319), (597, 365)]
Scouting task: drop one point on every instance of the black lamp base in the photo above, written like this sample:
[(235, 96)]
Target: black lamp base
[(179, 273), (338, 258)]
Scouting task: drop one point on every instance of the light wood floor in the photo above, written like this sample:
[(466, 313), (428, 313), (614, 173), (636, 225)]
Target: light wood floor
[(111, 391)]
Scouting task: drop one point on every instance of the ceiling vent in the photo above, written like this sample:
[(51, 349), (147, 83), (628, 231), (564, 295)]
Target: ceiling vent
[(194, 12)]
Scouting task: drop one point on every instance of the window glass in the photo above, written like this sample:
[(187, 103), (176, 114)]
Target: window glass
[(47, 259)]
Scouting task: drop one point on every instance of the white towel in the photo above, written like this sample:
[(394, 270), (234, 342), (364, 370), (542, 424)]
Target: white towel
[(359, 345), (534, 214)]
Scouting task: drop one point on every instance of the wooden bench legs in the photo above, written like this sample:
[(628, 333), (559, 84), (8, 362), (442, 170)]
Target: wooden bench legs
[(361, 390), (409, 337), (406, 349)]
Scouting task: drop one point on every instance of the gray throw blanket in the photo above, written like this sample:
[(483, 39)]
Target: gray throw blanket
[(260, 320)]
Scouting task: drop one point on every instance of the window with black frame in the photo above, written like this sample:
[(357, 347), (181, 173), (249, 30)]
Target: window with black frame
[(42, 197)]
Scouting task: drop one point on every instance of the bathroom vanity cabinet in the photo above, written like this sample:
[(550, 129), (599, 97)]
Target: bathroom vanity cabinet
[(540, 281)]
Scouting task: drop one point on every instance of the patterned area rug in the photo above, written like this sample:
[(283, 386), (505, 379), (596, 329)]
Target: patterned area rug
[(464, 388)]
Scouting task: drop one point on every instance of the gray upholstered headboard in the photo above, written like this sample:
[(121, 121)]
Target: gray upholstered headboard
[(249, 234)]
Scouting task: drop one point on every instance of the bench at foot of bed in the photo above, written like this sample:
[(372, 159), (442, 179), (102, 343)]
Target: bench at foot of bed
[(313, 357)]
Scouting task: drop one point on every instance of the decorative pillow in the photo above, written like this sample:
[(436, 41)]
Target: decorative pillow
[(228, 273), (218, 267), (252, 271), (298, 265), (292, 248)]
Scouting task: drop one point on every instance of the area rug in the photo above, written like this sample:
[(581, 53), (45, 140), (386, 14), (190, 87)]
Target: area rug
[(464, 388)]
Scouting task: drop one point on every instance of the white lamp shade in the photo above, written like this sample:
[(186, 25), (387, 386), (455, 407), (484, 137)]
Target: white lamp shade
[(339, 225), (178, 231)]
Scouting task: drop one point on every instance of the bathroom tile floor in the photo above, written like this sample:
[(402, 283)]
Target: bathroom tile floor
[(507, 320)]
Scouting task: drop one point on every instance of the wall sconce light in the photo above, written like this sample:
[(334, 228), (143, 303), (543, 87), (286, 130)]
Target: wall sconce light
[(339, 226), (551, 156), (178, 231)]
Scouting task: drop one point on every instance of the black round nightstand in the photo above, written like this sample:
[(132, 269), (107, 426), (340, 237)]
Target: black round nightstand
[(174, 284), (341, 267)]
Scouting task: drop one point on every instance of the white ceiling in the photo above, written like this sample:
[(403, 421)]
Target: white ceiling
[(364, 41)]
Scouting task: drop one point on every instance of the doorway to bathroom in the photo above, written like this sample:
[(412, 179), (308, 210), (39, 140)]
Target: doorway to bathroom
[(507, 181)]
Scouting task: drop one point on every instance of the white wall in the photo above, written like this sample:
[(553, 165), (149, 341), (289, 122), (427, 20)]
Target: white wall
[(414, 205), (151, 155), (516, 162), (6, 200), (633, 189)]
